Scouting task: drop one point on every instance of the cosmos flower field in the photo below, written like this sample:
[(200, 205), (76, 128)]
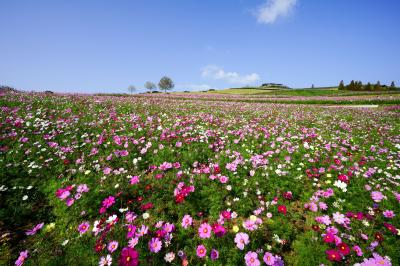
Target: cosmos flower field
[(103, 180)]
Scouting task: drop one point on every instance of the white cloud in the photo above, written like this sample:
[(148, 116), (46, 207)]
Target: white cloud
[(197, 87), (217, 73), (271, 10)]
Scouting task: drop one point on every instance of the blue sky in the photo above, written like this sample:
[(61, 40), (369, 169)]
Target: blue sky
[(104, 46)]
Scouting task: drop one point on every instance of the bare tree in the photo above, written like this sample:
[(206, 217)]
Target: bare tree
[(131, 88), (150, 86), (166, 83)]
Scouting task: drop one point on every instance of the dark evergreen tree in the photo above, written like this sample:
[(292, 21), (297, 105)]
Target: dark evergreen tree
[(392, 86), (359, 86), (341, 86), (351, 86), (377, 86), (368, 87)]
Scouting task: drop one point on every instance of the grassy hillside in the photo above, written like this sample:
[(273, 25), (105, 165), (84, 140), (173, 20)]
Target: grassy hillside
[(318, 91)]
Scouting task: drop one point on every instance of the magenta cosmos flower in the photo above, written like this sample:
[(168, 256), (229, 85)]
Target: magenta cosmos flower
[(155, 245), (131, 231), (205, 230), (241, 239), (83, 227), (201, 251), (187, 221), (129, 257), (333, 255), (251, 259), (108, 202), (214, 254), (112, 246)]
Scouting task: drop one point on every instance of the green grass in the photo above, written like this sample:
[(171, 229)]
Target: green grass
[(323, 91)]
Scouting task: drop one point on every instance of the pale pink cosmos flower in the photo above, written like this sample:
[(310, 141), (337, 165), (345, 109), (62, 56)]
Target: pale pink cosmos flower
[(112, 246), (251, 259), (105, 261), (241, 239), (187, 221), (389, 214), (155, 245), (377, 196)]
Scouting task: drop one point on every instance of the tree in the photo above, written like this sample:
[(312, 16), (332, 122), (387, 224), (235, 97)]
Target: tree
[(392, 86), (341, 86), (150, 86), (166, 83), (368, 87), (377, 86), (351, 86), (359, 86), (131, 89)]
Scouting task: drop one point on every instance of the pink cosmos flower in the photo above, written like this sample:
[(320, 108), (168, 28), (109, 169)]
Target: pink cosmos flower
[(130, 217), (107, 170), (133, 242), (21, 259), (69, 202), (223, 179), (201, 251), (323, 206), (376, 260), (34, 229), (205, 230), (108, 202), (112, 246), (83, 227), (251, 259), (358, 251), (389, 214), (187, 221), (155, 245), (377, 196), (269, 259), (241, 239), (134, 180)]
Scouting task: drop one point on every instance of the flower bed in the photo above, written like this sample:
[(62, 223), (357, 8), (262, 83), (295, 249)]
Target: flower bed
[(156, 180)]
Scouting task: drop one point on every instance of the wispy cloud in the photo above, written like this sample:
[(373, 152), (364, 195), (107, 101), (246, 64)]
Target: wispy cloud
[(196, 87), (272, 10), (217, 73)]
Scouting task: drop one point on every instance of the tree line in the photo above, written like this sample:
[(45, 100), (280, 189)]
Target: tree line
[(164, 84), (359, 86)]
